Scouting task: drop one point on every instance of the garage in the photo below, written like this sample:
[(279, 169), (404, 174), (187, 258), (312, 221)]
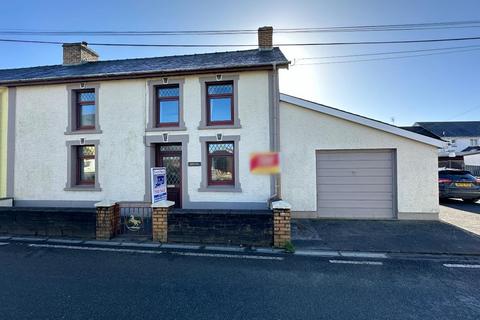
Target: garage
[(336, 164), (355, 184)]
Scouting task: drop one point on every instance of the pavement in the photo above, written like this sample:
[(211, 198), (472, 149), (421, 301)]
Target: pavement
[(461, 214), (453, 235), (58, 282)]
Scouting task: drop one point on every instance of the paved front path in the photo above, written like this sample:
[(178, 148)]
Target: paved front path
[(462, 215), (53, 283), (383, 236)]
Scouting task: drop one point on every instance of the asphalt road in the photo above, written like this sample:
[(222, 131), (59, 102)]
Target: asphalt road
[(53, 283)]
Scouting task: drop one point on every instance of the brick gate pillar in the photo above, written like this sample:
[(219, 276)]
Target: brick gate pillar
[(108, 219), (281, 223), (160, 220)]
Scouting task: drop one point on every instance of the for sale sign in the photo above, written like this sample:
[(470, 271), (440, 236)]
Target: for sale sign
[(265, 163), (159, 184)]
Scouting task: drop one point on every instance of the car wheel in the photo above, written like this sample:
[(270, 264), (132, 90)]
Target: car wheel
[(470, 200)]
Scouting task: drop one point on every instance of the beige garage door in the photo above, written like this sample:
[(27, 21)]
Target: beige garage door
[(355, 184)]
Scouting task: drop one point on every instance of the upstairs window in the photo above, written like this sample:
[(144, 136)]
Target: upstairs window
[(220, 107), (86, 165), (168, 106), (221, 163), (85, 109), (473, 142)]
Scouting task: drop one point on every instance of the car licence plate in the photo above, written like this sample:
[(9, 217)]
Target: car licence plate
[(463, 184)]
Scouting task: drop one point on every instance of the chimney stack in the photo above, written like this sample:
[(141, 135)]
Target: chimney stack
[(265, 38), (77, 53)]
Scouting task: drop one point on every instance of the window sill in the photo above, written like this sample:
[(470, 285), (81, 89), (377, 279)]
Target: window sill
[(220, 189), (223, 126), (95, 131), (82, 188), (162, 129)]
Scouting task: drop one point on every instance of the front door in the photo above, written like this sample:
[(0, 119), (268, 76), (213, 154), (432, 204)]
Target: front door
[(169, 155)]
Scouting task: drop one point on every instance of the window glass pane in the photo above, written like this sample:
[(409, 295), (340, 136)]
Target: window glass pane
[(87, 170), (220, 109), (220, 148), (86, 96), (87, 115), (220, 89), (168, 111), (222, 168), (87, 151), (170, 147), (168, 92)]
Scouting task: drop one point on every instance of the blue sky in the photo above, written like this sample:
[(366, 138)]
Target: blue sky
[(429, 88)]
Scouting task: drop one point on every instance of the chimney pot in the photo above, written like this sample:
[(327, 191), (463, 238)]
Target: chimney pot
[(265, 38), (77, 53)]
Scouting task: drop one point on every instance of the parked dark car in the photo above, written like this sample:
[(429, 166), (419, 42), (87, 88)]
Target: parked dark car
[(458, 184)]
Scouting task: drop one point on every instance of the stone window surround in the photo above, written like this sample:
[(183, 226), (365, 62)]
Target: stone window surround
[(204, 187), (151, 123), (72, 106), (72, 166), (203, 89)]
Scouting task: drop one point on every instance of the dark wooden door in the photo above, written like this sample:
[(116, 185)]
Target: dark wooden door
[(170, 157)]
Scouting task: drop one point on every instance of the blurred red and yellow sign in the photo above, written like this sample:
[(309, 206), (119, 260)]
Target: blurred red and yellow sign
[(265, 163)]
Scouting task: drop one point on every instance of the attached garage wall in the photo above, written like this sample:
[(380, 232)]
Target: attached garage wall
[(303, 132)]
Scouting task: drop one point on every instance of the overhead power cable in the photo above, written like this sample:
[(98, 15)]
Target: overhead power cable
[(251, 45), (354, 28), (387, 53), (385, 58)]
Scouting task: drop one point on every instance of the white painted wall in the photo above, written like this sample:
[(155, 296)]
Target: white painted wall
[(303, 131), (41, 152), (472, 159)]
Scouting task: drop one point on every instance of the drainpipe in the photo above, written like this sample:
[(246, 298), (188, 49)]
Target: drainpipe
[(276, 132)]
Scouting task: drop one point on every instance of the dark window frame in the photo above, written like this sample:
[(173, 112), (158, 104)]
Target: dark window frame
[(79, 158), (225, 95), (158, 99), (210, 157), (78, 108)]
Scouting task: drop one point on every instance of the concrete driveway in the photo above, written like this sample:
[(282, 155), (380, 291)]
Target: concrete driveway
[(456, 233), (461, 214)]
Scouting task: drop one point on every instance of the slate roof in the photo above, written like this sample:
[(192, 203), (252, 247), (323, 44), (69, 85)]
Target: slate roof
[(452, 128), (168, 64), (471, 148), (421, 130)]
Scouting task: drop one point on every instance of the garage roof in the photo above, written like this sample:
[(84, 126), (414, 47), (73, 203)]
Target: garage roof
[(360, 120)]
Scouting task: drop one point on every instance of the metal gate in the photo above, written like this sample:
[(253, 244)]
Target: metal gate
[(135, 219)]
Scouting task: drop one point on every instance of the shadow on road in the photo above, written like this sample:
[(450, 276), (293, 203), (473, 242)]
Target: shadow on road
[(460, 205)]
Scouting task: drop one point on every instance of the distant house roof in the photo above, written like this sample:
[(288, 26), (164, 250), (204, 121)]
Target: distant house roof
[(245, 59), (452, 128), (471, 149), (421, 130), (355, 118)]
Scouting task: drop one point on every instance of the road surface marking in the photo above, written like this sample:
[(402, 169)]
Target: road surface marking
[(363, 255), (468, 266), (313, 253), (57, 246), (3, 243), (195, 254), (373, 263), (223, 255)]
